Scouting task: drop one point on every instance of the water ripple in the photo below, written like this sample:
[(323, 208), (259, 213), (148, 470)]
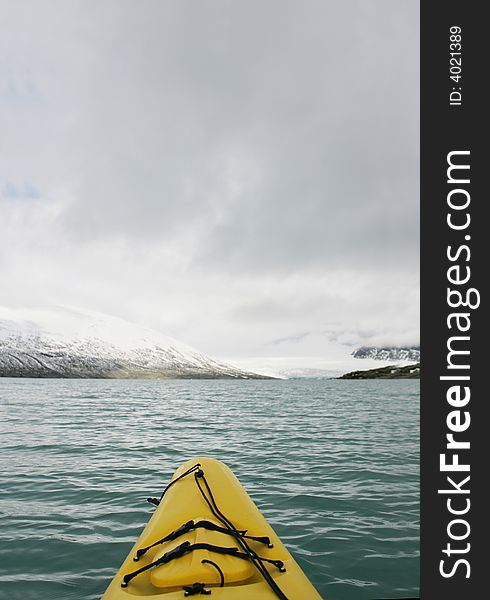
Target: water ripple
[(333, 465)]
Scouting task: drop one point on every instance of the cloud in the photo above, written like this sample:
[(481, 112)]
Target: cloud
[(230, 172)]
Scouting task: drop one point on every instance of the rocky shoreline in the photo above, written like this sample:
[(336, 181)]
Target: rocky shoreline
[(390, 372)]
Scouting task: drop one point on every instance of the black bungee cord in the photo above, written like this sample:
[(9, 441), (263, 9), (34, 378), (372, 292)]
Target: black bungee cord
[(254, 557), (239, 535)]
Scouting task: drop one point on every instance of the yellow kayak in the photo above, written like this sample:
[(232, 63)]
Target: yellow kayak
[(207, 537)]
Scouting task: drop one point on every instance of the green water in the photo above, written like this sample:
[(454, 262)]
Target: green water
[(333, 465)]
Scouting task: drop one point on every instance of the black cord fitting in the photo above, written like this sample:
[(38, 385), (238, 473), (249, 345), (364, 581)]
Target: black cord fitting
[(196, 588)]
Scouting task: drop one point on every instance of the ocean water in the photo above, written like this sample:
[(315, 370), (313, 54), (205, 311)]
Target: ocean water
[(332, 464)]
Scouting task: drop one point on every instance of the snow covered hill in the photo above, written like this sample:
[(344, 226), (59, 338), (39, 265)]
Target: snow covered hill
[(71, 343), (388, 353)]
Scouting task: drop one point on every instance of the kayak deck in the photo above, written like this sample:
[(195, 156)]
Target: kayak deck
[(208, 537)]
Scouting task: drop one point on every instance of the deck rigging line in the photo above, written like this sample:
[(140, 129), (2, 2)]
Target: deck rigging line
[(229, 528)]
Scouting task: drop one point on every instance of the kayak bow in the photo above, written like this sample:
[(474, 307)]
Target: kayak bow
[(208, 537)]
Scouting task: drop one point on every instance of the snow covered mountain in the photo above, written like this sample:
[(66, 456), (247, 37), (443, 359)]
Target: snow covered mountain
[(388, 353), (71, 343)]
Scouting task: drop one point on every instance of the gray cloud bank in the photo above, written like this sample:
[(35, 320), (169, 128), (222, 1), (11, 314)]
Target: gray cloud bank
[(232, 173)]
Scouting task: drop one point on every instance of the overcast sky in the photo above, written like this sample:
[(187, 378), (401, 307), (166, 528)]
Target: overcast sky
[(241, 175)]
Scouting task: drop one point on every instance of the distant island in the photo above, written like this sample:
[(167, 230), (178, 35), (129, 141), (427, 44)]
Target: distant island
[(70, 343), (390, 372)]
